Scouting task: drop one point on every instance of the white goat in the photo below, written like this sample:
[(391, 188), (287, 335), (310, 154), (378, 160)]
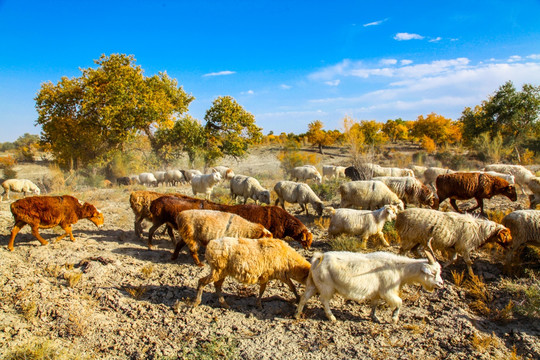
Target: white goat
[(333, 172), (524, 226), (375, 276), (205, 183), (249, 188), (298, 193), (457, 233), (362, 222), (19, 185), (252, 261), (306, 172), (368, 194)]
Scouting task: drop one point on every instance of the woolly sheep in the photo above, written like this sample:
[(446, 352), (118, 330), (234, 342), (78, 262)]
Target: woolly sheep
[(189, 174), (250, 262), (148, 179), (375, 276), (457, 233), (534, 186), (362, 222), (391, 171), (19, 185), (306, 172), (431, 174), (522, 175), (249, 188), (524, 225), (368, 195), (134, 179), (331, 171), (418, 170), (160, 177), (410, 190), (174, 177), (300, 193), (225, 172), (198, 227), (205, 183)]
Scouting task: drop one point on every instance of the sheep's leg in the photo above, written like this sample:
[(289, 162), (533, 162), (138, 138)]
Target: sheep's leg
[(151, 234), (218, 284), (194, 254), (383, 240), (373, 315), (293, 289), (468, 261), (177, 249), (171, 232), (212, 277), (311, 290), (325, 300), (18, 226), (67, 229), (455, 206), (35, 232), (262, 288), (393, 300)]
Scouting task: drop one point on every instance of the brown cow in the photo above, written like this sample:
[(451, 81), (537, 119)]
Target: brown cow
[(49, 211), (464, 186)]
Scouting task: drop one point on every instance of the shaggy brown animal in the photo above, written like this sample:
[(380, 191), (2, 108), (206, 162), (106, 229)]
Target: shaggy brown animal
[(140, 204), (49, 211), (278, 221), (124, 180), (252, 262), (464, 186), (198, 227)]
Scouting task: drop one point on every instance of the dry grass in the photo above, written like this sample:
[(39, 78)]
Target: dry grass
[(136, 292), (458, 277), (147, 270), (322, 222), (482, 343), (73, 278), (42, 349), (482, 297)]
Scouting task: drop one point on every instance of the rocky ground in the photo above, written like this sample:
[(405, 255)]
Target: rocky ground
[(106, 296)]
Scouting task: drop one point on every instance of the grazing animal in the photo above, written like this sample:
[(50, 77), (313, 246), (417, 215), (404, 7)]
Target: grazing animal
[(390, 171), (148, 179), (368, 194), (457, 233), (464, 186), (362, 222), (333, 172), (198, 227), (134, 179), (123, 180), (522, 175), (300, 193), (252, 261), (107, 184), (249, 188), (174, 177), (534, 186), (205, 183), (418, 170), (375, 276), (49, 211), (305, 172), (410, 190), (225, 172), (160, 177), (19, 185), (189, 174), (356, 174), (431, 174), (524, 225)]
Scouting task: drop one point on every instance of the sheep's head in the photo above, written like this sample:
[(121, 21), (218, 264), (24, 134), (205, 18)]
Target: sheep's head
[(307, 239), (264, 197), (319, 207), (216, 176), (94, 215), (510, 192), (501, 237)]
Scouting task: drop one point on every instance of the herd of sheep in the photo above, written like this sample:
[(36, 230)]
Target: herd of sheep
[(243, 241)]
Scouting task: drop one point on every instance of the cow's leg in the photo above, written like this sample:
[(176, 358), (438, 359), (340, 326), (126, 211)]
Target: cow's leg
[(18, 226), (35, 232)]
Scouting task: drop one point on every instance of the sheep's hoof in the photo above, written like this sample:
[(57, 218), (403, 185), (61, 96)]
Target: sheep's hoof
[(44, 243), (375, 319), (395, 320), (10, 248), (332, 318), (224, 305), (200, 264)]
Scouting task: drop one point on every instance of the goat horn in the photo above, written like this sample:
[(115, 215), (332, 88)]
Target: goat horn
[(430, 253)]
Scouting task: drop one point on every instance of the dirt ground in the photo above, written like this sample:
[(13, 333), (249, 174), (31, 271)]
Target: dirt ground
[(107, 296)]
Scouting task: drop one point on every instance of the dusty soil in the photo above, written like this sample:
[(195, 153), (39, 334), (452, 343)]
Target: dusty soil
[(106, 296)]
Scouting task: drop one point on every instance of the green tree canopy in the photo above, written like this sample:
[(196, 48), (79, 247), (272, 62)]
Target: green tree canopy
[(230, 129), (187, 135), (87, 118), (319, 137)]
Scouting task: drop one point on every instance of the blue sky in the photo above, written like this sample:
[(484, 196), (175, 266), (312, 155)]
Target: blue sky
[(287, 62)]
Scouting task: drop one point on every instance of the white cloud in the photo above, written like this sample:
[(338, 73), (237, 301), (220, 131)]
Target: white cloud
[(249, 92), (407, 36), (333, 82), (406, 62), (374, 23), (437, 39), (220, 73), (514, 58), (285, 86), (388, 61), (534, 57)]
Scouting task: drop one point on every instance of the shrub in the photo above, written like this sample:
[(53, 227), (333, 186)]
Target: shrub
[(291, 157), (326, 191), (428, 144), (6, 164)]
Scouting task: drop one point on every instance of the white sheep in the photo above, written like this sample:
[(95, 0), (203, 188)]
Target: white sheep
[(189, 174), (522, 175), (375, 276), (198, 227), (225, 172), (410, 190), (205, 183), (333, 172), (250, 262), (454, 232), (418, 170), (534, 186), (392, 171), (148, 179), (306, 172), (524, 226), (431, 174), (174, 177), (134, 179), (160, 177), (368, 195), (362, 222), (249, 188), (19, 185), (298, 193)]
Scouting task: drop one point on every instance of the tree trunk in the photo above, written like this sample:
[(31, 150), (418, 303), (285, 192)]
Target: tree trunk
[(321, 149)]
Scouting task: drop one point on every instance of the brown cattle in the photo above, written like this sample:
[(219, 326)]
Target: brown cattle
[(49, 211), (278, 221), (464, 186)]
